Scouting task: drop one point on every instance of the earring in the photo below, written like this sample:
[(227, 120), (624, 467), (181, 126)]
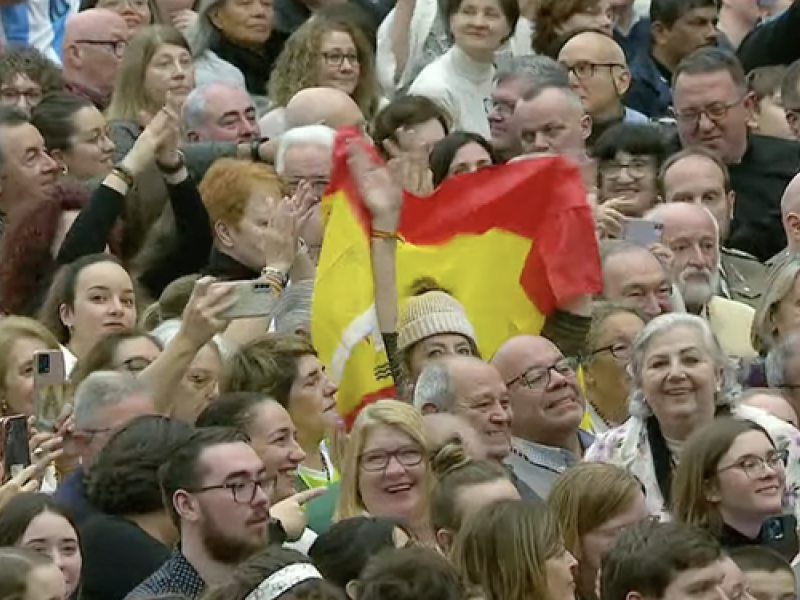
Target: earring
[(3, 407), (64, 169)]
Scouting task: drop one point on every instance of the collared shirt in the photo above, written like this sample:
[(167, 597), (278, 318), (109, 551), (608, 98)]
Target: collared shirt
[(176, 576), (538, 465)]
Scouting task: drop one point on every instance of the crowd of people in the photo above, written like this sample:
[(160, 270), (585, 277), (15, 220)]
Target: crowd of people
[(157, 157)]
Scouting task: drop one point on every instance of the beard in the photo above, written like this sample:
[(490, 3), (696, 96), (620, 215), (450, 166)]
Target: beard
[(225, 548), (696, 292)]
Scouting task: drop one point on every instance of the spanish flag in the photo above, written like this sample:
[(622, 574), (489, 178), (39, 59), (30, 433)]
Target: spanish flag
[(510, 242)]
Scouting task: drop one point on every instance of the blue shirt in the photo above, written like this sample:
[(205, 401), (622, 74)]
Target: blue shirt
[(37, 23), (72, 494)]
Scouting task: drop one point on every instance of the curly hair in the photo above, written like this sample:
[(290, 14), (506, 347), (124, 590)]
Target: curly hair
[(296, 68), (551, 16), (34, 65), (124, 480)]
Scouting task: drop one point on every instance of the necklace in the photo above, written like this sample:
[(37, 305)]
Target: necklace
[(524, 457), (606, 421)]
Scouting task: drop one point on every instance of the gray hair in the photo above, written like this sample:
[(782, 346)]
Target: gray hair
[(537, 70), (778, 357), (308, 135), (435, 386), (203, 34), (729, 391), (100, 390), (194, 108)]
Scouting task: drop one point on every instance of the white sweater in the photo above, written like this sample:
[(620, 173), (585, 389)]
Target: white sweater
[(461, 86)]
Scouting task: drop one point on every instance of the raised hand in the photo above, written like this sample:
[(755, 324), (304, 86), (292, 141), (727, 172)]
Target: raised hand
[(291, 514), (382, 194), (409, 163), (203, 316), (280, 241)]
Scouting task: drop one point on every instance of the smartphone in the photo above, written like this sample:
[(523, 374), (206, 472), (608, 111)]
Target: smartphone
[(49, 388), (14, 438), (780, 534), (644, 233), (253, 299)]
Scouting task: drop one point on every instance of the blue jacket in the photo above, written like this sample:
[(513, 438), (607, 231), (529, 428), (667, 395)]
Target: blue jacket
[(650, 92)]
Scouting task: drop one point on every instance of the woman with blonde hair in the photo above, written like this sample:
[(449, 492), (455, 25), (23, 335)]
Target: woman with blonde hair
[(384, 471), (776, 314), (594, 503), (731, 482), (513, 550)]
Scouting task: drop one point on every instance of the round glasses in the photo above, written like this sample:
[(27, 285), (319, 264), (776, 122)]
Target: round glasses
[(755, 466)]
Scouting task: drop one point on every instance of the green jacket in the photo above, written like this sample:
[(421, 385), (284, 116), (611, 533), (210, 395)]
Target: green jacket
[(743, 276), (320, 510)]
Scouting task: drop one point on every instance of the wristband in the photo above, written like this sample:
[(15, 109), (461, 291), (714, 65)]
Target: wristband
[(276, 274), (124, 173), (385, 235)]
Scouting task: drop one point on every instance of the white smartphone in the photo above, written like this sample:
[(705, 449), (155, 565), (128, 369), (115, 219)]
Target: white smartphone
[(642, 232), (253, 299)]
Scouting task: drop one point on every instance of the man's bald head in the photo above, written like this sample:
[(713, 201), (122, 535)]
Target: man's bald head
[(772, 402), (443, 428), (511, 357), (595, 46), (86, 23), (676, 214), (322, 106), (94, 41)]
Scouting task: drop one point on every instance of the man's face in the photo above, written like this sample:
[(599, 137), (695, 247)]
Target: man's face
[(775, 585), (233, 511), (482, 399), (27, 173), (698, 584), (698, 180), (694, 30), (712, 111), (230, 116), (96, 57), (504, 99), (551, 123), (637, 280), (632, 177), (793, 114), (597, 73)]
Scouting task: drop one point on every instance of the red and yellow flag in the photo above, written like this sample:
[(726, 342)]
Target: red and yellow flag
[(475, 237)]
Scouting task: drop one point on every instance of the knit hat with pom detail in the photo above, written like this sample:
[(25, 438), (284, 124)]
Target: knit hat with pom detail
[(429, 314)]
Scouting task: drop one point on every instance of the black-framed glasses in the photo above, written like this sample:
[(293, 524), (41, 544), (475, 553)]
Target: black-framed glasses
[(336, 59), (619, 351), (243, 492), (755, 466), (715, 112), (117, 47), (585, 69), (637, 168), (377, 460), (12, 95), (538, 378)]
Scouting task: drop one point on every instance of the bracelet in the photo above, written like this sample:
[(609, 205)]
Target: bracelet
[(279, 276), (273, 284), (385, 235), (172, 169), (123, 173)]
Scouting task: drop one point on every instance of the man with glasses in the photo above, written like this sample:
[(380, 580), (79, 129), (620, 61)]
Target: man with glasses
[(93, 45), (712, 108), (104, 402), (598, 72), (218, 493), (548, 408)]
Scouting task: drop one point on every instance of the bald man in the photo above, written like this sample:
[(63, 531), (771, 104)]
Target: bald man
[(313, 106), (598, 72), (691, 232), (790, 216), (772, 402), (548, 408), (94, 42)]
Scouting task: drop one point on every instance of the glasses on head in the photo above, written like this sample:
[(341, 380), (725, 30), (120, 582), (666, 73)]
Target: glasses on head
[(13, 95), (378, 460), (755, 466), (621, 352), (715, 112), (539, 378), (243, 492), (116, 47), (586, 69), (336, 59), (637, 168)]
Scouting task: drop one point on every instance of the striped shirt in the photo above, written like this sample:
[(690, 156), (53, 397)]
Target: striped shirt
[(37, 23)]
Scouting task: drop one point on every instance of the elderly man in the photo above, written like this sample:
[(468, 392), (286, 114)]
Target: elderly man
[(691, 233), (220, 112), (104, 401), (772, 402), (93, 45), (313, 106), (598, 72), (304, 159), (698, 176), (548, 408), (790, 216)]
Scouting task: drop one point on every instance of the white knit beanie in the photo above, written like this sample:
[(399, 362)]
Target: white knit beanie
[(429, 314)]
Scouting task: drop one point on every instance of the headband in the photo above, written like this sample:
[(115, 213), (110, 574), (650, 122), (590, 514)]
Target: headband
[(284, 580)]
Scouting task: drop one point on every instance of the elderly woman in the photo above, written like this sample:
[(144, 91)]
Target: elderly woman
[(776, 314), (235, 42), (681, 381)]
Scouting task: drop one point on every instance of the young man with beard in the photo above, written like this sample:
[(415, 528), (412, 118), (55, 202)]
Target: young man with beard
[(692, 234), (219, 495)]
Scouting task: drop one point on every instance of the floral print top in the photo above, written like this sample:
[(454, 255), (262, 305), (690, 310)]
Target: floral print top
[(628, 447)]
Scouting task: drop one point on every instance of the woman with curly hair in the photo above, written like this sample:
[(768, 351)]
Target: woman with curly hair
[(558, 18), (26, 76), (324, 53)]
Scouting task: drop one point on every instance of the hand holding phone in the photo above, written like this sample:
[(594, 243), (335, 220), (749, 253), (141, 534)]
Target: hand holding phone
[(643, 232), (49, 379), (14, 438)]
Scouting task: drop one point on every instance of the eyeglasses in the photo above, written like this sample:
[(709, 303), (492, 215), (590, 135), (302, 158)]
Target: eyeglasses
[(12, 95), (336, 59), (501, 107), (587, 70), (319, 185), (243, 492), (638, 168), (90, 434), (117, 47), (621, 352), (755, 466), (377, 460), (538, 378), (715, 112)]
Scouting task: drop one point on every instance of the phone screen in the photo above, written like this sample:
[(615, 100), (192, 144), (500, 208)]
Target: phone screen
[(49, 379), (16, 452), (643, 232)]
